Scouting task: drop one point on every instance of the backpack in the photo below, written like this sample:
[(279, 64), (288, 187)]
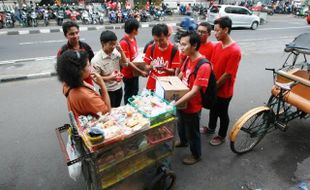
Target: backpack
[(208, 98), (128, 43), (173, 52)]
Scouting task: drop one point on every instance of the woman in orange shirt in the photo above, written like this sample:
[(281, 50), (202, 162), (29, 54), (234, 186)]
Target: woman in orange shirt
[(72, 68)]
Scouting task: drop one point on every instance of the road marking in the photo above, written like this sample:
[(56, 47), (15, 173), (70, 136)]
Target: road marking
[(6, 62), (294, 27), (45, 42), (266, 39)]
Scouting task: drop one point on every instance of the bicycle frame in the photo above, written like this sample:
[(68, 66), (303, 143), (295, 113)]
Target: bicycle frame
[(283, 112)]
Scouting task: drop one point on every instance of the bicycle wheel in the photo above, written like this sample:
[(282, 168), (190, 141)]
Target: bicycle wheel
[(249, 130)]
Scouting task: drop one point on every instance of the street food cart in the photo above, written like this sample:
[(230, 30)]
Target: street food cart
[(135, 137)]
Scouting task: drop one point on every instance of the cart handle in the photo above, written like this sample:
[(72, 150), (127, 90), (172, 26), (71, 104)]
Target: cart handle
[(69, 162)]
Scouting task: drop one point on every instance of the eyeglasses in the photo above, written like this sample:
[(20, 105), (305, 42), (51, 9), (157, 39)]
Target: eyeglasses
[(202, 32)]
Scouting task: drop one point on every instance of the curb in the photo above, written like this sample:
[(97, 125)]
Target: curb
[(26, 77), (82, 28)]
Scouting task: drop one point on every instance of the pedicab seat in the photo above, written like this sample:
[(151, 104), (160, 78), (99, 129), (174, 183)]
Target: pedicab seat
[(299, 95)]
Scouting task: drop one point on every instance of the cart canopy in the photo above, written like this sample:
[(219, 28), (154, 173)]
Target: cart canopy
[(301, 44)]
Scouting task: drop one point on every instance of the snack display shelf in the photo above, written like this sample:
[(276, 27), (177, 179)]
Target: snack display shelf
[(148, 148), (102, 175), (140, 166)]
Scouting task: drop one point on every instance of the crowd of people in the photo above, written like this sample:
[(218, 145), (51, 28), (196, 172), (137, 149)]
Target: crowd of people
[(112, 67)]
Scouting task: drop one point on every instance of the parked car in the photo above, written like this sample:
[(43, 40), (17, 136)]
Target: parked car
[(240, 16)]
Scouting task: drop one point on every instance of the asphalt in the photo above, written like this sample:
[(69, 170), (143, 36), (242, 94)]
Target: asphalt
[(24, 69)]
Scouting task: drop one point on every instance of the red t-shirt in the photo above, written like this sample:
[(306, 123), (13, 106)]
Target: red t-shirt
[(206, 50), (131, 53), (201, 79), (226, 60), (158, 54)]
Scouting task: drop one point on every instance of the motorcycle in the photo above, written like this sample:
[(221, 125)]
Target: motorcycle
[(95, 18), (145, 16), (73, 15), (119, 17), (24, 18), (101, 17), (187, 24), (46, 18), (112, 17), (168, 11), (159, 15), (125, 16), (9, 20), (86, 19), (60, 17), (33, 19)]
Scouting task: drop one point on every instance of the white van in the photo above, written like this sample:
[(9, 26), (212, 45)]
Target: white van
[(240, 16)]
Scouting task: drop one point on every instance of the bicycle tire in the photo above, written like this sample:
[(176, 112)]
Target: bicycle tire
[(250, 129)]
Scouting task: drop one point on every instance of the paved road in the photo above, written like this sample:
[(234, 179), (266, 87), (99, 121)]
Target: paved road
[(30, 110)]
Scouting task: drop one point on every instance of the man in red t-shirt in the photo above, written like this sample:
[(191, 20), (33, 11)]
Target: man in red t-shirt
[(162, 57), (225, 60), (130, 48), (189, 118), (206, 47)]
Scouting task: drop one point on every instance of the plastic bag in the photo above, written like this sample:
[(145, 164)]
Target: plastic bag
[(75, 170)]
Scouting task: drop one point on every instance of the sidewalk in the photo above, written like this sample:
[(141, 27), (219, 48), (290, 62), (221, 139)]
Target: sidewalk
[(53, 28), (27, 70)]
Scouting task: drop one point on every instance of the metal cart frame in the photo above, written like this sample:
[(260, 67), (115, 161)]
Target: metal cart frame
[(94, 172)]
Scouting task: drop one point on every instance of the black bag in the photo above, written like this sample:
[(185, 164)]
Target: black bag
[(208, 98)]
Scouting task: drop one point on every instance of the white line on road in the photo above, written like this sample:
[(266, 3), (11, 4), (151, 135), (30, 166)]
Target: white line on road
[(294, 27), (6, 62), (45, 42), (27, 60), (266, 39)]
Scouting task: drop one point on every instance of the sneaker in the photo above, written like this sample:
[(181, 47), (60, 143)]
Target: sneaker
[(206, 130), (178, 144), (217, 140), (190, 160)]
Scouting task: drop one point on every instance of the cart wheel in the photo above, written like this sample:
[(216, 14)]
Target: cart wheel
[(249, 130), (164, 180)]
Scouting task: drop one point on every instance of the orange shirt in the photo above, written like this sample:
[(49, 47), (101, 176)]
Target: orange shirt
[(84, 101)]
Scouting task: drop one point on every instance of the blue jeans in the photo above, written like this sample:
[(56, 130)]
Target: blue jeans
[(188, 129)]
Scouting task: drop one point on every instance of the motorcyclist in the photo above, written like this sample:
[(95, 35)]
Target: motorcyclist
[(187, 24)]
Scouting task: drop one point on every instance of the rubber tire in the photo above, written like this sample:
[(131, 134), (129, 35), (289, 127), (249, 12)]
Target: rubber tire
[(1, 25), (161, 177), (11, 25), (255, 113), (254, 25)]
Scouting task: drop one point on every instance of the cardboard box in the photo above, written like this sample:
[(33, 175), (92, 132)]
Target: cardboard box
[(138, 61), (171, 88)]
